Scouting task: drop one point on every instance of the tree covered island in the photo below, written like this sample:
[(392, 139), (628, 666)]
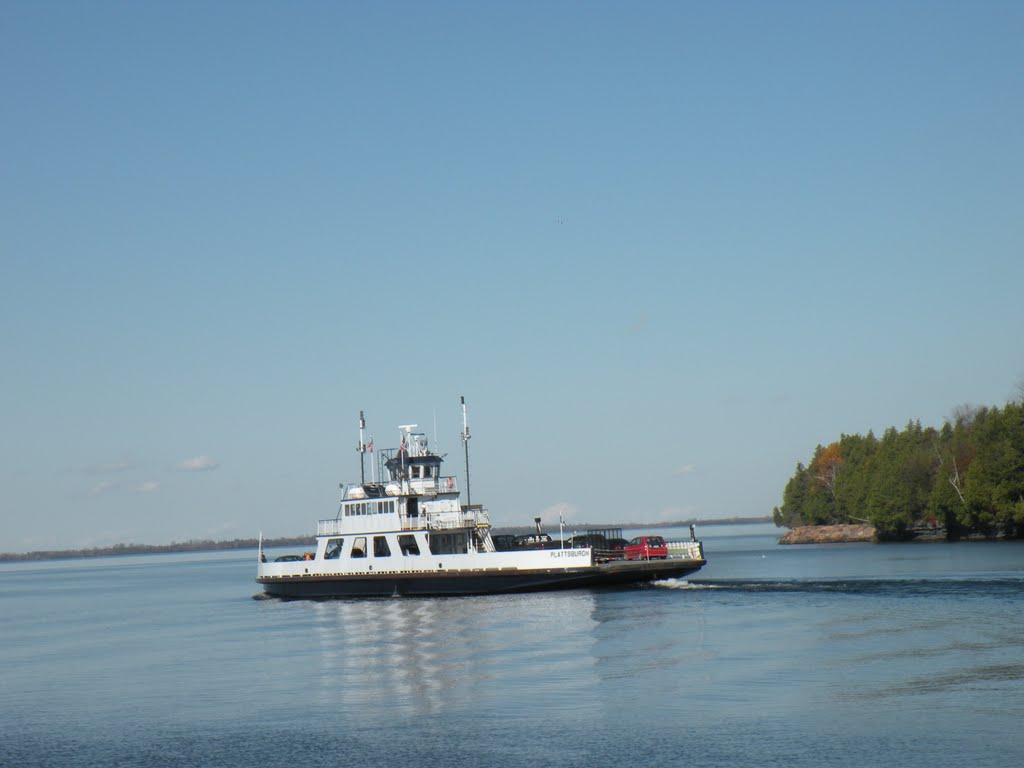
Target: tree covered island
[(965, 479)]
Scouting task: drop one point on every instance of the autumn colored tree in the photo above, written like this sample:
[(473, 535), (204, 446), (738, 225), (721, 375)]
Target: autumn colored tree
[(825, 467)]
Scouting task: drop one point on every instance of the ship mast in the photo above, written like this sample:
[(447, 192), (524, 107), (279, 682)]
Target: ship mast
[(465, 443), (362, 449)]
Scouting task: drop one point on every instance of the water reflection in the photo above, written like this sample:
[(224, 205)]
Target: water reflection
[(415, 657)]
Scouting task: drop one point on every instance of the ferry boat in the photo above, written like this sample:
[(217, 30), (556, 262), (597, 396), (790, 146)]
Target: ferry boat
[(405, 531)]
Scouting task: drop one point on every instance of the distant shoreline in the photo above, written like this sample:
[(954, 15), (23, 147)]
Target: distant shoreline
[(117, 550)]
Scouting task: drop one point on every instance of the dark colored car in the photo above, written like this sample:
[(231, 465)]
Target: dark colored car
[(532, 541), (647, 548), (592, 540)]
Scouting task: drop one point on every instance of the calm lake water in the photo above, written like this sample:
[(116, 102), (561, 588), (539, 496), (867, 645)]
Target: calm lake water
[(838, 655)]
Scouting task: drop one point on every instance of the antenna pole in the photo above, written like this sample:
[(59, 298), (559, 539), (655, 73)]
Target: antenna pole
[(362, 449), (465, 443)]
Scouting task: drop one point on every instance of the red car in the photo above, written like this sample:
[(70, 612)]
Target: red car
[(647, 548)]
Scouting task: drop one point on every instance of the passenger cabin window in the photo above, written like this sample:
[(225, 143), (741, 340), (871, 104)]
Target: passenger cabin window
[(333, 551), (380, 547), (447, 543), (359, 547), (407, 543)]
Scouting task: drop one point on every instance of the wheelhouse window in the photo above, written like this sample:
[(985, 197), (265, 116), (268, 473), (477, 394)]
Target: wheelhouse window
[(333, 550), (359, 547), (407, 543), (381, 547)]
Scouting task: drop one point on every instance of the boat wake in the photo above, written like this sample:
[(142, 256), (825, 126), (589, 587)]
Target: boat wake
[(944, 587), (683, 584)]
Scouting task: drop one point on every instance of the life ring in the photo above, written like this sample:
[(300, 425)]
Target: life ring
[(451, 483)]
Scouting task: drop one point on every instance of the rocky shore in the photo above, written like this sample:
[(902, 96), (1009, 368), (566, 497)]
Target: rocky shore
[(829, 534)]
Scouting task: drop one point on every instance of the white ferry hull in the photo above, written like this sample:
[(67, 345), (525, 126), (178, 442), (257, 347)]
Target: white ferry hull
[(475, 582)]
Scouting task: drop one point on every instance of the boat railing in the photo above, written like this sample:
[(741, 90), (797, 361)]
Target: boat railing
[(447, 484), (402, 487), (450, 520), (687, 550)]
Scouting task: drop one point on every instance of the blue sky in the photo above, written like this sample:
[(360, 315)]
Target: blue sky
[(663, 250)]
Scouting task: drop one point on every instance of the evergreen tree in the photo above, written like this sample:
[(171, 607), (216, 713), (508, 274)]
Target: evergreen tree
[(890, 498), (995, 482), (853, 483), (791, 513)]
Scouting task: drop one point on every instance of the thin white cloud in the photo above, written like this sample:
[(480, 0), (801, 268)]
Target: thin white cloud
[(561, 510), (104, 486), (150, 486), (198, 464), (685, 469)]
